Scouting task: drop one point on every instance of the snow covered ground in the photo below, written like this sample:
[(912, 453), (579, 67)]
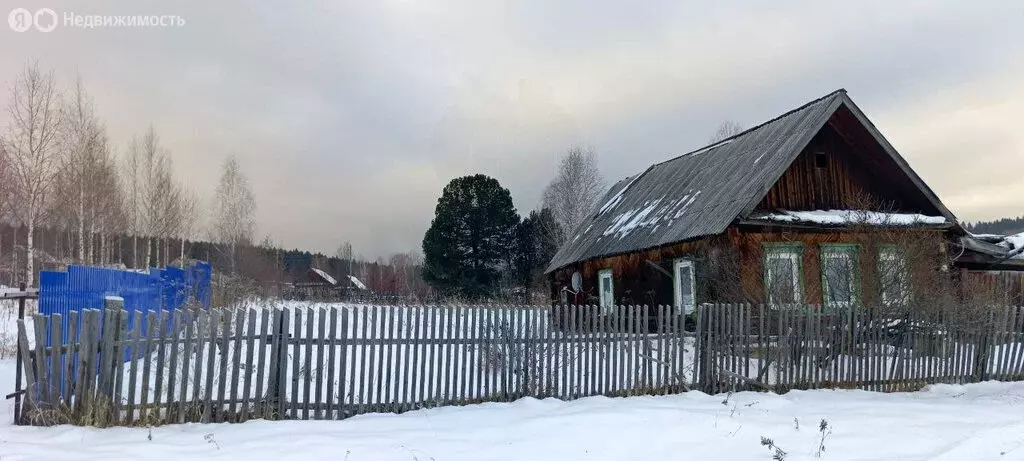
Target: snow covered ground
[(973, 422)]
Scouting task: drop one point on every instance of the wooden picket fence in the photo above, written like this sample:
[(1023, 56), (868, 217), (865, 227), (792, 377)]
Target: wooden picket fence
[(744, 347), (334, 362)]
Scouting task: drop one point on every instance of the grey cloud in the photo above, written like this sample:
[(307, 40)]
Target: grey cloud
[(350, 117)]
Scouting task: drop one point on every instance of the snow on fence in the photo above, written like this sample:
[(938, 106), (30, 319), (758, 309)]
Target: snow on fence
[(320, 363), (741, 347)]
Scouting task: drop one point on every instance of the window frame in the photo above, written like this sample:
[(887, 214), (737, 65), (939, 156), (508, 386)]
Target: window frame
[(677, 285), (793, 251), (897, 253), (852, 252), (601, 276)]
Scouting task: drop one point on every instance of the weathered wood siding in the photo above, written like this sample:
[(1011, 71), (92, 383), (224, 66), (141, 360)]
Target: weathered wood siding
[(729, 268), (751, 246), (828, 174), (638, 280)]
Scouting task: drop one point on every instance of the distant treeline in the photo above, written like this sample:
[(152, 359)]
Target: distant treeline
[(1002, 226), (268, 264)]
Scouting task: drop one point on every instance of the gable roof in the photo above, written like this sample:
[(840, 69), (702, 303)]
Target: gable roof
[(701, 192)]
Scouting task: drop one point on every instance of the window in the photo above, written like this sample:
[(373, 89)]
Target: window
[(782, 263), (839, 274), (684, 285), (605, 289), (820, 160), (893, 276)]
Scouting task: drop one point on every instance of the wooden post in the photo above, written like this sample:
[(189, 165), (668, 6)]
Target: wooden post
[(18, 360)]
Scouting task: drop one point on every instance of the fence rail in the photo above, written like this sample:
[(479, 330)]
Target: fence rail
[(320, 363)]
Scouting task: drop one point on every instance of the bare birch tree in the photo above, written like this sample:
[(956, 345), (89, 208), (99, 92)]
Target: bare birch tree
[(574, 191), (188, 220), (33, 145), (726, 130), (154, 198), (234, 211), (84, 142)]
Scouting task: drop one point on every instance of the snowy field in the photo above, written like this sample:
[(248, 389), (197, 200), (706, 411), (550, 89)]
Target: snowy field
[(973, 422)]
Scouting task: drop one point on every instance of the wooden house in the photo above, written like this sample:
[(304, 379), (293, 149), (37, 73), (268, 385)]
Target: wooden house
[(314, 284), (811, 207)]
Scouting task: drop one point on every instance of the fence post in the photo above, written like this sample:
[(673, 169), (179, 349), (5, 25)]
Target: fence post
[(277, 359), (17, 361)]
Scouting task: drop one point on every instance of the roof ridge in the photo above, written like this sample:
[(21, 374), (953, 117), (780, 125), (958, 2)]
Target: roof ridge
[(758, 126)]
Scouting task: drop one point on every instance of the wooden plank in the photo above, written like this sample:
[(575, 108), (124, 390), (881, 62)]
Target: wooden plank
[(92, 356), (284, 329), (224, 373), (394, 362), (444, 363), (463, 357), (491, 371), (478, 373), (594, 349), (251, 366), (189, 317), (554, 329), (413, 377), (212, 326), (1018, 326), (31, 395), (363, 325), (152, 321), (487, 371), (159, 376), (135, 345), (307, 396), (56, 359), (296, 361), (322, 342), (202, 342), (372, 376), (332, 356), (408, 331), (71, 360), (585, 341), (42, 371), (176, 330), (377, 374), (628, 373), (233, 345), (343, 352), (432, 362)]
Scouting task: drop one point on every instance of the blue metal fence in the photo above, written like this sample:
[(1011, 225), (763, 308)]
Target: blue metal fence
[(85, 287)]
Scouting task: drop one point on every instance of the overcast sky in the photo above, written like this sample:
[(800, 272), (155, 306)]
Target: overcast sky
[(350, 117)]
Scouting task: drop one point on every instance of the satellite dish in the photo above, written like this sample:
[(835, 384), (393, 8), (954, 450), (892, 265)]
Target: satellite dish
[(577, 281)]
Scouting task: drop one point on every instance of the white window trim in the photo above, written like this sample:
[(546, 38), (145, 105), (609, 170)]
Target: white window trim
[(850, 261), (793, 256), (606, 304), (678, 286)]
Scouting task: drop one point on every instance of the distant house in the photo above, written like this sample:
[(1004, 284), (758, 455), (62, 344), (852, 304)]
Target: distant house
[(811, 207), (315, 284)]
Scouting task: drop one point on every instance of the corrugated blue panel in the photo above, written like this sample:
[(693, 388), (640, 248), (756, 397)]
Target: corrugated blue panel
[(84, 287)]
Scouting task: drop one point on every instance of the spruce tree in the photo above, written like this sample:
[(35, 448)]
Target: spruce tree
[(470, 242)]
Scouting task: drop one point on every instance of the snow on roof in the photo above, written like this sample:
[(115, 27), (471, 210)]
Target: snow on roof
[(356, 282), (612, 202), (326, 276), (1015, 244), (840, 217), (650, 215)]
